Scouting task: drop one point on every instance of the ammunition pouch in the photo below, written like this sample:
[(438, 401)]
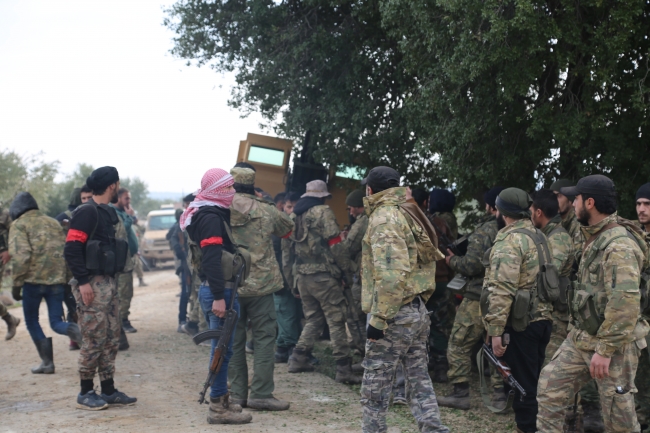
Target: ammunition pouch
[(548, 278), (106, 259), (561, 305), (583, 309), (522, 310)]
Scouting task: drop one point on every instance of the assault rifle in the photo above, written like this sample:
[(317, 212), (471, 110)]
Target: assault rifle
[(223, 335), (458, 247), (502, 368)]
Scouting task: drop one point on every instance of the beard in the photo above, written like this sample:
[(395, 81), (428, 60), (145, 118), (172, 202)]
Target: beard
[(352, 218), (583, 216), (114, 198), (501, 223)]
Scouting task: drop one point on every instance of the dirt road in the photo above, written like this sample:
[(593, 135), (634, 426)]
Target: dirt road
[(164, 369)]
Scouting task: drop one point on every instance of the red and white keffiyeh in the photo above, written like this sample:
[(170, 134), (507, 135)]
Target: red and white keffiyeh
[(214, 191)]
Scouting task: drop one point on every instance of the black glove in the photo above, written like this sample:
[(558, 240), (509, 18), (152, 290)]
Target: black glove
[(15, 292), (374, 333)]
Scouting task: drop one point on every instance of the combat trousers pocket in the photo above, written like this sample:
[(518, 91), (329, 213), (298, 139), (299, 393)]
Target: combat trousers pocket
[(377, 380), (622, 411), (520, 307), (458, 335)]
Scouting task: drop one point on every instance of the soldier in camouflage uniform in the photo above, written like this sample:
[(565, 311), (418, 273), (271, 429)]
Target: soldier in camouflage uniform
[(511, 287), (356, 317), (36, 247), (398, 267), (642, 381), (569, 221), (11, 321), (608, 333), (314, 260), (253, 221), (468, 327), (95, 290), (545, 216), (441, 204)]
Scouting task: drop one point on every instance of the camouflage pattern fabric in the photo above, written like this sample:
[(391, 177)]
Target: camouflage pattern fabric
[(514, 265), (392, 275), (568, 371), (471, 264), (36, 244), (563, 253), (405, 342), (442, 309), (451, 221), (137, 267), (253, 221), (356, 317), (3, 310), (572, 226), (125, 293), (100, 328), (5, 225), (323, 301)]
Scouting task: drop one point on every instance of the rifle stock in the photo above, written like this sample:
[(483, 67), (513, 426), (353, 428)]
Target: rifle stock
[(503, 369)]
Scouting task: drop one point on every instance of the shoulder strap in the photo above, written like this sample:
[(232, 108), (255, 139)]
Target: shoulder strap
[(229, 234), (598, 233), (540, 243)]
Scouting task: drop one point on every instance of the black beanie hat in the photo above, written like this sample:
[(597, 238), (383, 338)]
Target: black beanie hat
[(23, 202), (490, 197), (643, 192), (102, 178)]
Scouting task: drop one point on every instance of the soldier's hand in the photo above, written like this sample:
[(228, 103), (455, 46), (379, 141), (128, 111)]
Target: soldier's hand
[(4, 256), (87, 294), (497, 347), (599, 367), (219, 308), (450, 254)]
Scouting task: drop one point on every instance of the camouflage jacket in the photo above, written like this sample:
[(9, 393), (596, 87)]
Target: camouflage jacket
[(562, 250), (391, 273), (610, 270), (572, 226), (315, 246), (471, 264), (451, 221), (355, 237), (5, 224), (253, 222), (36, 244), (121, 232), (514, 265)]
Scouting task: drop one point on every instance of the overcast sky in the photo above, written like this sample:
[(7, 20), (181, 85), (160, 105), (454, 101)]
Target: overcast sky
[(88, 81)]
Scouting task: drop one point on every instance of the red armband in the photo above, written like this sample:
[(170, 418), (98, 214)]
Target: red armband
[(214, 240), (334, 241), (287, 235), (76, 236)]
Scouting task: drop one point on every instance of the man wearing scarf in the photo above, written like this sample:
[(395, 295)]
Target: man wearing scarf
[(205, 220), (509, 282)]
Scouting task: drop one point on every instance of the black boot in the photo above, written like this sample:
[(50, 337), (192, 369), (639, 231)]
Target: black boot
[(458, 398), (124, 343), (282, 355), (46, 352), (592, 420)]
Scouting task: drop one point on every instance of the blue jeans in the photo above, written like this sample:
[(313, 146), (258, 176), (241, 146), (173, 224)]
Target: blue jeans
[(220, 384), (32, 296)]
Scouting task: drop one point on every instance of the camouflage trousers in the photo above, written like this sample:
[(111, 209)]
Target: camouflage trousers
[(642, 383), (443, 313), (100, 328), (468, 329), (405, 341), (125, 292), (137, 267), (356, 325), (323, 302), (558, 335), (568, 371), (196, 315), (3, 309)]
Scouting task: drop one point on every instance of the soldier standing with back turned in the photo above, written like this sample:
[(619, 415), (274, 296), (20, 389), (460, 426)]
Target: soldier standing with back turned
[(608, 331)]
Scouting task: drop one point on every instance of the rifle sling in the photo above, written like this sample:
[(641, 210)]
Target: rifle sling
[(485, 388), (593, 237)]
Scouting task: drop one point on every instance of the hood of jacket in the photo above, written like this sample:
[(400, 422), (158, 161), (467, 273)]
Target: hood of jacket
[(21, 204), (306, 203), (388, 197)]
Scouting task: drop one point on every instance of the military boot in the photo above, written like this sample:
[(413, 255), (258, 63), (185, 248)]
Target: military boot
[(439, 373), (223, 412), (299, 362), (499, 398), (458, 398), (124, 342), (46, 352), (270, 404), (12, 323), (573, 422), (344, 373), (282, 355), (358, 368), (592, 418)]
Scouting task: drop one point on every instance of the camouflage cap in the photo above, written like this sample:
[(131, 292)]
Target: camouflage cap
[(243, 176), (316, 188), (355, 198)]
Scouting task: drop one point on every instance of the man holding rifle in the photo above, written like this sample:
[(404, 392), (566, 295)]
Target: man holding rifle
[(207, 221), (516, 302)]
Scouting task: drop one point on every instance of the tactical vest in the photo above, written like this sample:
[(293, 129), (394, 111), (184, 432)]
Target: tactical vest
[(586, 304), (545, 289), (310, 250), (230, 262), (105, 258)]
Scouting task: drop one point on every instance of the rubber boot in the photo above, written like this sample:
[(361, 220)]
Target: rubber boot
[(12, 323), (299, 362), (74, 332), (344, 372), (124, 343), (46, 352), (142, 283), (592, 418), (458, 398), (223, 412)]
